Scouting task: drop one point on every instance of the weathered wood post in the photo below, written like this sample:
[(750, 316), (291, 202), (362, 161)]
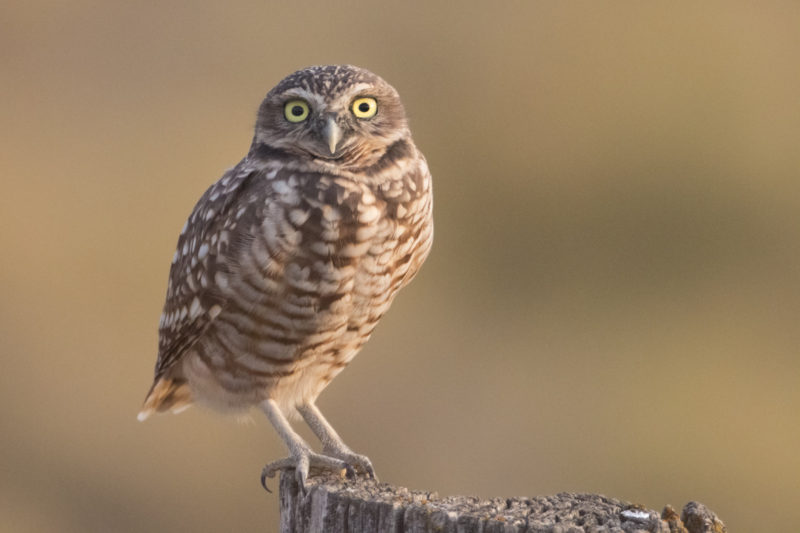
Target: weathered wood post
[(331, 504)]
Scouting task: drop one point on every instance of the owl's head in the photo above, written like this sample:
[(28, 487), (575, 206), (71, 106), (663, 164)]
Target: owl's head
[(340, 114)]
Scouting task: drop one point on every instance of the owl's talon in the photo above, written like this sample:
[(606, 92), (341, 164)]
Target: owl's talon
[(264, 481), (272, 468), (358, 461), (302, 461)]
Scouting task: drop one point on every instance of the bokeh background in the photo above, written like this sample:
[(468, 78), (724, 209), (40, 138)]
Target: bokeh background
[(612, 302)]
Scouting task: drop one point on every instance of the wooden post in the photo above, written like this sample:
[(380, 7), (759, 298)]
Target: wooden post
[(331, 504)]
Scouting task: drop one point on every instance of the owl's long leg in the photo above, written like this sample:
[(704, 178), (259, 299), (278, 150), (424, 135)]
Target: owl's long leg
[(301, 457), (332, 443)]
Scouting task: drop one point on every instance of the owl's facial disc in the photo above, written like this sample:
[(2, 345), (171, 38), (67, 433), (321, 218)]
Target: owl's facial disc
[(345, 125)]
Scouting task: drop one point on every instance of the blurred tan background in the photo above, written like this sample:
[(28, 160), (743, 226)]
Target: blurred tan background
[(611, 306)]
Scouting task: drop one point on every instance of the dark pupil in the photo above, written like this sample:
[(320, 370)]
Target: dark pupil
[(363, 107), (297, 110)]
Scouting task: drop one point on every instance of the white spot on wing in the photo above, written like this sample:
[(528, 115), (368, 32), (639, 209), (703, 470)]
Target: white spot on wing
[(195, 309), (281, 187), (299, 216)]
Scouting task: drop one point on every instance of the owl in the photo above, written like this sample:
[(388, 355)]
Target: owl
[(288, 262)]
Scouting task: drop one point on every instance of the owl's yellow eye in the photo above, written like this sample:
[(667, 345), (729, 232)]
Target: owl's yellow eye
[(296, 110), (365, 107)]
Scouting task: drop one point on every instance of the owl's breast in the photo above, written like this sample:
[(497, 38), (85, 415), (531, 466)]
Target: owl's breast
[(321, 259), (362, 239), (346, 245)]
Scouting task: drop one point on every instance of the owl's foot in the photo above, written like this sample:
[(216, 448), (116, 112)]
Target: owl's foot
[(302, 460), (332, 444), (361, 462)]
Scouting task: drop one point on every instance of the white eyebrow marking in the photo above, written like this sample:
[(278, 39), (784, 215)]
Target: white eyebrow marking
[(356, 91), (359, 87), (316, 100)]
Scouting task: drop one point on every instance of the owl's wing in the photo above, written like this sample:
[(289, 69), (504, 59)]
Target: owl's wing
[(203, 252)]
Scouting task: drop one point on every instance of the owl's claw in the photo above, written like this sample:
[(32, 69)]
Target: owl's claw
[(362, 462), (264, 482), (302, 461)]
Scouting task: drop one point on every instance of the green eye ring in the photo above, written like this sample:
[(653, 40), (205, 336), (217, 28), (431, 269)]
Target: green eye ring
[(365, 107), (296, 110)]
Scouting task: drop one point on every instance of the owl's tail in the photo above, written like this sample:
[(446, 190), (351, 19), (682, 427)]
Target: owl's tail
[(166, 394)]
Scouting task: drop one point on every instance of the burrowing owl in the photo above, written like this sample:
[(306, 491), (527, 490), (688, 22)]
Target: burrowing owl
[(287, 262)]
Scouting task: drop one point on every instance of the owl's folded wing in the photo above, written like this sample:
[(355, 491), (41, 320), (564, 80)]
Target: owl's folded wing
[(203, 253)]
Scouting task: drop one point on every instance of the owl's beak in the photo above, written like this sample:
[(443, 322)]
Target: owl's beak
[(332, 134)]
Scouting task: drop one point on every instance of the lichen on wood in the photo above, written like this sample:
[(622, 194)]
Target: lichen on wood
[(332, 504)]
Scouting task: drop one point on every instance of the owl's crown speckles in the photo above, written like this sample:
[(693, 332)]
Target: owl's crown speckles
[(326, 79)]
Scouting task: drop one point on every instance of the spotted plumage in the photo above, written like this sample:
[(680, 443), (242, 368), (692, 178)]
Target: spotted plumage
[(288, 262)]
